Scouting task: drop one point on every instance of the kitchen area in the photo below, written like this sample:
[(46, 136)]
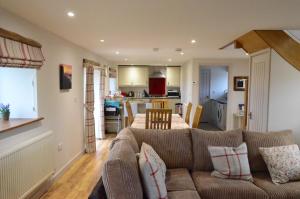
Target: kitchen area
[(140, 85)]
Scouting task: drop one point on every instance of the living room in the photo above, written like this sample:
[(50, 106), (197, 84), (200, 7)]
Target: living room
[(80, 83)]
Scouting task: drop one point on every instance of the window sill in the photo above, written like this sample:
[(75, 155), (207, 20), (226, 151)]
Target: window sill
[(14, 123)]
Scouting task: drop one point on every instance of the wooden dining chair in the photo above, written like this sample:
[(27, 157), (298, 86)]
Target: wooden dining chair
[(129, 113), (159, 103), (197, 117), (188, 113), (158, 118)]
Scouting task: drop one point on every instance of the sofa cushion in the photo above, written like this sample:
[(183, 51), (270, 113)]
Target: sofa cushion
[(120, 173), (202, 139), (254, 140), (126, 134), (153, 172), (179, 180), (214, 188), (173, 146), (183, 195), (289, 190)]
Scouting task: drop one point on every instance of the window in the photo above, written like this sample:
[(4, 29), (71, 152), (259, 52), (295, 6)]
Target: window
[(18, 88)]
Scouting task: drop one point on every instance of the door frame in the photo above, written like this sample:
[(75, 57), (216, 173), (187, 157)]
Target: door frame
[(247, 119)]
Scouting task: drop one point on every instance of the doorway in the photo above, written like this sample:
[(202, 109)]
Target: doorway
[(213, 96)]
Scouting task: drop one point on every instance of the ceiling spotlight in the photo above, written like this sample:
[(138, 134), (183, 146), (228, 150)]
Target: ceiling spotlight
[(169, 60), (117, 52), (71, 14), (247, 54), (126, 59), (193, 41), (102, 40), (182, 53)]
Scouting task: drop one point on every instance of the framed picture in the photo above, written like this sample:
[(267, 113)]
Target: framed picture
[(240, 83), (65, 76)]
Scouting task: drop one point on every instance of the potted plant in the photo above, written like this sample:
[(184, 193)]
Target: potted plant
[(5, 111)]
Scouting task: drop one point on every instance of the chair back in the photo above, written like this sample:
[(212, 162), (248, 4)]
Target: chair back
[(159, 104), (197, 117), (158, 118), (188, 113), (129, 112)]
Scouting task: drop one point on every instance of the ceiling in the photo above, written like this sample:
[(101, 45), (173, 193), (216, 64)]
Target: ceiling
[(135, 27)]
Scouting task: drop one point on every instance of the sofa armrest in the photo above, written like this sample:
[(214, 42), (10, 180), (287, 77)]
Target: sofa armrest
[(98, 191)]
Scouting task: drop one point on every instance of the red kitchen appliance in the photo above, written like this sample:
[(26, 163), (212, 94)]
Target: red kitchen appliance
[(157, 86)]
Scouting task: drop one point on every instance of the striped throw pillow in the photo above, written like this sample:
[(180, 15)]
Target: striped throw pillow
[(153, 172), (230, 162)]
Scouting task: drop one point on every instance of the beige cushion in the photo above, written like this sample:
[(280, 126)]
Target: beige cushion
[(216, 188), (120, 173), (152, 172), (126, 134), (283, 162), (202, 139), (179, 180), (173, 146), (289, 190), (254, 140), (183, 195), (230, 162)]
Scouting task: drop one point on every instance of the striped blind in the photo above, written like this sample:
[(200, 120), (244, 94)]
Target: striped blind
[(18, 51)]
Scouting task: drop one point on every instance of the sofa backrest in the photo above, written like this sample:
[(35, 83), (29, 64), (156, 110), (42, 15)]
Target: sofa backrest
[(254, 140), (173, 146), (126, 135), (202, 139), (121, 173)]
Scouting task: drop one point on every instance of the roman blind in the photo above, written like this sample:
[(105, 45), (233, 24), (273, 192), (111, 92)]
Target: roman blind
[(18, 51)]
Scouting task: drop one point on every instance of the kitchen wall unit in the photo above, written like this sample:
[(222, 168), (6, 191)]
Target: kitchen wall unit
[(173, 76), (136, 76)]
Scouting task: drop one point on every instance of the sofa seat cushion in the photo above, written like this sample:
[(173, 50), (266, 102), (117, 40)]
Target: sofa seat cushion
[(183, 195), (254, 140), (173, 146), (179, 180), (210, 187), (289, 190), (202, 139)]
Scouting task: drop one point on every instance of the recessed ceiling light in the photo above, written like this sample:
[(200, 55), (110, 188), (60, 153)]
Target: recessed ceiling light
[(182, 53), (169, 60), (193, 41), (126, 59), (117, 52), (102, 40), (71, 14)]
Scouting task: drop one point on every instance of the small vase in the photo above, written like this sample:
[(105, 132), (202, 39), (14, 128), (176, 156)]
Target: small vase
[(5, 116)]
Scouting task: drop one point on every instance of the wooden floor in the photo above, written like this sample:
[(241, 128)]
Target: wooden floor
[(79, 180)]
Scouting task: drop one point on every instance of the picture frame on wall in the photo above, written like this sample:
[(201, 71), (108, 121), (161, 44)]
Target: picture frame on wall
[(65, 76), (240, 83)]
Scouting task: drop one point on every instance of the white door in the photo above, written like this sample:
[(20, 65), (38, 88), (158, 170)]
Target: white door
[(259, 91), (205, 94)]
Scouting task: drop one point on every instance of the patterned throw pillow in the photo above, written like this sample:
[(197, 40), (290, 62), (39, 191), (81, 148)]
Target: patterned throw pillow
[(230, 162), (153, 171), (283, 162)]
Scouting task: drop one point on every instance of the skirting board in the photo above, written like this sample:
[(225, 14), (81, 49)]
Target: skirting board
[(61, 171)]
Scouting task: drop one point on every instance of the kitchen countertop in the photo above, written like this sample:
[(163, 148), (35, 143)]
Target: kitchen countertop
[(153, 97)]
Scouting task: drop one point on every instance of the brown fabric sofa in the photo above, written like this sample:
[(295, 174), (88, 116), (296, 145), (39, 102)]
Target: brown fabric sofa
[(189, 165)]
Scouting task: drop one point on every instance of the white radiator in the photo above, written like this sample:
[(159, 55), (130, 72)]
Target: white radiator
[(26, 166)]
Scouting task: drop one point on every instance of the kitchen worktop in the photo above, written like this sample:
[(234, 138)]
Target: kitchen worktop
[(153, 98)]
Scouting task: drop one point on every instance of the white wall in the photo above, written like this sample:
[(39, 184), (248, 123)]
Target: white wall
[(218, 81), (15, 84), (190, 77), (284, 99), (63, 110)]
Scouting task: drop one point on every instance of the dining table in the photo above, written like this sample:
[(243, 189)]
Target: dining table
[(177, 122)]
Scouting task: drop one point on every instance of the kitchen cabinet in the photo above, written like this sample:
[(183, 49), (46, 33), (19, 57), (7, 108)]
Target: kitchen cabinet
[(133, 76), (173, 76)]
